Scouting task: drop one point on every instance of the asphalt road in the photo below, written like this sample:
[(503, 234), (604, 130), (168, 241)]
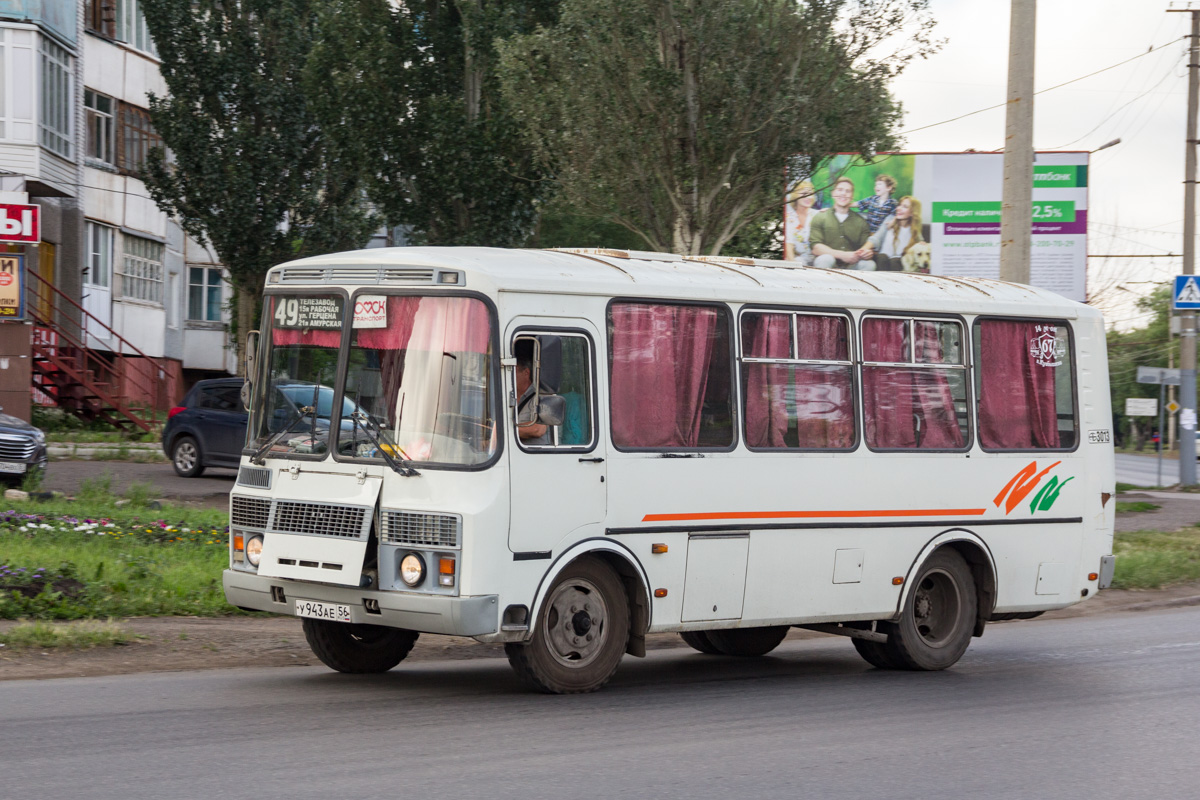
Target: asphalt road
[(1090, 708), (1143, 470), (210, 488)]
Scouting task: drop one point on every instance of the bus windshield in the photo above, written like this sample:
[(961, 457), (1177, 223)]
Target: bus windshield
[(419, 368)]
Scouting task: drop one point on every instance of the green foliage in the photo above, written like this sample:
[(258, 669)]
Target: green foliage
[(251, 171), (1144, 347), (409, 93), (1152, 559), (73, 635), (674, 119), (1136, 505), (111, 564)]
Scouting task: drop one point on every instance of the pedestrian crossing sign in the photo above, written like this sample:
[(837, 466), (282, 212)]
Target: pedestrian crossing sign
[(1187, 293)]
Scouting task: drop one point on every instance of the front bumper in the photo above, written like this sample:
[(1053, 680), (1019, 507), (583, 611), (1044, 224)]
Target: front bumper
[(457, 616)]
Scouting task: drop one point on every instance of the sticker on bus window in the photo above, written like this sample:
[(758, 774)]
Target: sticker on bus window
[(1046, 348), (370, 311)]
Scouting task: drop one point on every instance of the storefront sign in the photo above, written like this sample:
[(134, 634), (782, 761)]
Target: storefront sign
[(12, 287), (19, 223)]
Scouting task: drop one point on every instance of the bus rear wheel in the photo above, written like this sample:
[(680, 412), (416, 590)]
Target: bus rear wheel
[(698, 640), (938, 618), (747, 642), (358, 649), (580, 635)]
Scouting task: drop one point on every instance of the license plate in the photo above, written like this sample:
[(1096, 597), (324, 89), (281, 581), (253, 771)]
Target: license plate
[(12, 466), (334, 612)]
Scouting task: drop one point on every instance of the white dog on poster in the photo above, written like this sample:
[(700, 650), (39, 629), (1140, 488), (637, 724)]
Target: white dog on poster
[(917, 258)]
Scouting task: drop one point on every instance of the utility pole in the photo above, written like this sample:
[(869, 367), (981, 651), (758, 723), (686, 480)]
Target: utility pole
[(1016, 216), (1187, 322)]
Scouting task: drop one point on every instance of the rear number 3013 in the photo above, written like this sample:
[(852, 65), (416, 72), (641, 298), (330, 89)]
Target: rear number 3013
[(334, 612)]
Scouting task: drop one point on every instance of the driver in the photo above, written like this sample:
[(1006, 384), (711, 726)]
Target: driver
[(535, 434)]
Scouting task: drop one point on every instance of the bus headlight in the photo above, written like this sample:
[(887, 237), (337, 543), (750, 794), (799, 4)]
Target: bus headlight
[(412, 569), (254, 546)]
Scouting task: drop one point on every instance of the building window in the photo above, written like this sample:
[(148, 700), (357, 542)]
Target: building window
[(102, 17), (131, 26), (100, 128), (136, 137), (142, 270), (55, 120), (204, 294), (100, 254)]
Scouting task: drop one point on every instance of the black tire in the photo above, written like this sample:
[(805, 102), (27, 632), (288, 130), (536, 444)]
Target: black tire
[(698, 640), (875, 653), (358, 649), (747, 642), (581, 633), (186, 457), (938, 618)]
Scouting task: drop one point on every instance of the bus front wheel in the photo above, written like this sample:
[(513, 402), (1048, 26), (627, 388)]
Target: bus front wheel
[(358, 649), (581, 632), (938, 618)]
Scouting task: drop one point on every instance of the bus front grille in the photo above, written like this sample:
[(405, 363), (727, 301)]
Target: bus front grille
[(250, 512), (420, 530), (257, 478), (320, 519)]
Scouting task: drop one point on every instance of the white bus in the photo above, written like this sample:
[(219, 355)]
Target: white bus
[(565, 451)]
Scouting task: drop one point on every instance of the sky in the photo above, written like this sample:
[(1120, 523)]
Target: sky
[(1136, 187)]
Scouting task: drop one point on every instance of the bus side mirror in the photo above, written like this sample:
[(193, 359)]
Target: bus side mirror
[(552, 409), (252, 342)]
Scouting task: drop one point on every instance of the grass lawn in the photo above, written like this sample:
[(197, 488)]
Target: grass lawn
[(92, 559), (1153, 559)]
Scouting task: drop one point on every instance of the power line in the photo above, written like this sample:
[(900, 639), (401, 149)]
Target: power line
[(1043, 91)]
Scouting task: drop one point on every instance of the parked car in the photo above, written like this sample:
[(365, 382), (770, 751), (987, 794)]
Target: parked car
[(208, 429), (22, 449)]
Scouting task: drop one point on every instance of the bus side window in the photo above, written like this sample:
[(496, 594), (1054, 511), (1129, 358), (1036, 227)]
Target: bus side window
[(574, 386), (797, 381), (1023, 384), (914, 383)]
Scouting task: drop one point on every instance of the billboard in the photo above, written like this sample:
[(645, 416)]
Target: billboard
[(12, 286), (937, 213)]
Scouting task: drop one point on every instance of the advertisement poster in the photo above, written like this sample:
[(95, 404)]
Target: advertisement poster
[(939, 213), (12, 287)]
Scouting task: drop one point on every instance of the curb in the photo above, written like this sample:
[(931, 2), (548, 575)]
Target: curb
[(105, 451)]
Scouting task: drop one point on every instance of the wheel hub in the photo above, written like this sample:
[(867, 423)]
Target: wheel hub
[(581, 622), (575, 623)]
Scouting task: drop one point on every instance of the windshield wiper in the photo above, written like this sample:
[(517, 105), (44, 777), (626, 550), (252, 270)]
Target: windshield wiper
[(297, 415), (404, 466)]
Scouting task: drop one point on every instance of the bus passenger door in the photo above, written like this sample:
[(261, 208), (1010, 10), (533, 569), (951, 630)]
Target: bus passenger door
[(557, 477)]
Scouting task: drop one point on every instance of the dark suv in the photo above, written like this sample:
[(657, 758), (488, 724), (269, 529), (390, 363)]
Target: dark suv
[(208, 429), (22, 449)]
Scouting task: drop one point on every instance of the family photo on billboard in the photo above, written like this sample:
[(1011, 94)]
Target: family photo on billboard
[(935, 213)]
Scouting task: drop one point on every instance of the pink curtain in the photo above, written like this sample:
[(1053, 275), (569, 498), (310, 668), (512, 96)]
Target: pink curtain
[(934, 398), (887, 391), (1017, 403), (766, 336), (660, 358), (824, 395), (432, 324)]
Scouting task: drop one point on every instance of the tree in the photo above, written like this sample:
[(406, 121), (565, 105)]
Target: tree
[(1141, 347), (411, 90), (674, 118), (249, 171)]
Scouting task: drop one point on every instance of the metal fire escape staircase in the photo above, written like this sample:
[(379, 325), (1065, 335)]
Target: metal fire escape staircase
[(86, 368)]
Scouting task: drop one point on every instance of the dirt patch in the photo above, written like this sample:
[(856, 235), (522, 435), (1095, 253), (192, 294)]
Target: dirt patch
[(166, 644)]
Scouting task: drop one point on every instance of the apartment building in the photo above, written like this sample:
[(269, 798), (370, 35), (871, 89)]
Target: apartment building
[(75, 81)]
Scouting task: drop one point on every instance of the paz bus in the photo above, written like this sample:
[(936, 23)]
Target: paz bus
[(565, 451)]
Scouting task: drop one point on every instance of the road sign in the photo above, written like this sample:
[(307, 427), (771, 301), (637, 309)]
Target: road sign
[(1141, 407), (1173, 406), (1158, 375), (1187, 293)]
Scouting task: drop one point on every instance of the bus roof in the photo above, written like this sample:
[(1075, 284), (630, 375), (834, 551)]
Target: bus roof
[(625, 273)]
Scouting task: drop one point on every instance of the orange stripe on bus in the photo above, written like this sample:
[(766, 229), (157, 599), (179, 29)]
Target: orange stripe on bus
[(902, 512)]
